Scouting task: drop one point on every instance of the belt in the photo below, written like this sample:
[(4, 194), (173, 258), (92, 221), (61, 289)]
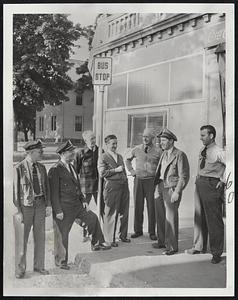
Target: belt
[(39, 197), (208, 178)]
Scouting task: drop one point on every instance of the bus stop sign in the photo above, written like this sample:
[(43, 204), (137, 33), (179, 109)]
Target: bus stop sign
[(102, 71)]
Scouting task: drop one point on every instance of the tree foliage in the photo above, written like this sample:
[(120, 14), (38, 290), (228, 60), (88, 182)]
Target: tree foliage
[(42, 44), (85, 79)]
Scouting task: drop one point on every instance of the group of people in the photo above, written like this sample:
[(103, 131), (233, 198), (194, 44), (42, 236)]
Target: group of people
[(160, 176)]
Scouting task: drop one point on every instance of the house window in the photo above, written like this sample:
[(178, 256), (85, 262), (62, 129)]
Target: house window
[(78, 123), (41, 123), (137, 124), (79, 100), (53, 123)]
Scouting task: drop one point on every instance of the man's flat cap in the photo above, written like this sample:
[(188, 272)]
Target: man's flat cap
[(67, 146), (33, 145), (110, 137), (167, 134)]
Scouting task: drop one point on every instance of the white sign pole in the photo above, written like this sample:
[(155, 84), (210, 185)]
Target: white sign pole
[(102, 75), (100, 147)]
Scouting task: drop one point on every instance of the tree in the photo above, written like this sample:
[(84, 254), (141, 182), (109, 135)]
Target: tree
[(85, 80), (42, 44)]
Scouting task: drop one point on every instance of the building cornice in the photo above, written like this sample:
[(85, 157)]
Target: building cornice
[(173, 26)]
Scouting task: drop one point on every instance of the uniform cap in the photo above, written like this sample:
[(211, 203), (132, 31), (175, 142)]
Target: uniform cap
[(167, 134), (67, 146), (33, 145)]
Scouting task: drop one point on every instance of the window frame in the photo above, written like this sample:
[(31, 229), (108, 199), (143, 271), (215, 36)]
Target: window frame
[(76, 100), (81, 117), (163, 112), (168, 102), (53, 123), (41, 123)]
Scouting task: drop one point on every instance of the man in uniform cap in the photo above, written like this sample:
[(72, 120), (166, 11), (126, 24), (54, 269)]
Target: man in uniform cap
[(31, 198), (171, 177), (146, 157), (68, 203)]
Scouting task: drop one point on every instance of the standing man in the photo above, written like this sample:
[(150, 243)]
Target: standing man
[(31, 198), (147, 157), (209, 191), (68, 204), (86, 166), (116, 192), (172, 176)]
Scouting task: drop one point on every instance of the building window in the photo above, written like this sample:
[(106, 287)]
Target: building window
[(117, 92), (171, 81), (149, 86), (78, 123), (53, 123), (187, 78), (79, 100), (137, 124), (41, 123)]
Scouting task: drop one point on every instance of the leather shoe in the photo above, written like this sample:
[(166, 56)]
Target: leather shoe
[(216, 259), (193, 251), (158, 246), (136, 234), (64, 267), (95, 247), (104, 246), (19, 276), (114, 244), (169, 252), (153, 237), (124, 239), (42, 271)]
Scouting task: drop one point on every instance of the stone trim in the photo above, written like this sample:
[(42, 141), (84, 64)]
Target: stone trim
[(181, 24)]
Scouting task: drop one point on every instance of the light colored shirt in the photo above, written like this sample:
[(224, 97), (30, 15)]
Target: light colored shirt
[(165, 162), (113, 154), (214, 164), (145, 163)]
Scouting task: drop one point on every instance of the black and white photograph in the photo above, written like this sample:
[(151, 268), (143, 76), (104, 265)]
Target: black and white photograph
[(118, 132)]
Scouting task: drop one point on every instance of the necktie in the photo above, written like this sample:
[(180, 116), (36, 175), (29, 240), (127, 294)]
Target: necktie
[(36, 185), (71, 170), (204, 155), (146, 149)]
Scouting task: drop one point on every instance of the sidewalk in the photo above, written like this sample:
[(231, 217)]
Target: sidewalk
[(133, 265)]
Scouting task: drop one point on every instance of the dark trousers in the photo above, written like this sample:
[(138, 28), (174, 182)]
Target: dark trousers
[(208, 216), (160, 217), (116, 198), (144, 188), (88, 198), (168, 218), (88, 219), (33, 216)]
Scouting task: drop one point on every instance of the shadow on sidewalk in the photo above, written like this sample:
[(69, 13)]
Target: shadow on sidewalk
[(141, 246), (197, 274)]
